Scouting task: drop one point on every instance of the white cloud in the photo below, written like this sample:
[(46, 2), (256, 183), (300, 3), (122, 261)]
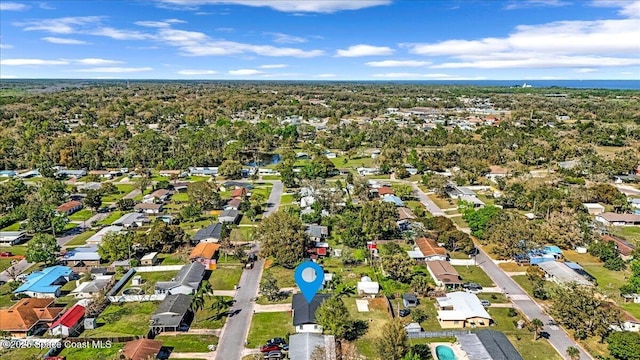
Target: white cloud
[(585, 70), (364, 50), (525, 4), (534, 61), (627, 8), (97, 61), (118, 34), (245, 72), (397, 75), (7, 76), (273, 66), (64, 41), (294, 6), (115, 69), (281, 75), (326, 75), (6, 46), (12, 6), (197, 72), (21, 62), (225, 29), (65, 25), (458, 47), (159, 24), (286, 38), (398, 63)]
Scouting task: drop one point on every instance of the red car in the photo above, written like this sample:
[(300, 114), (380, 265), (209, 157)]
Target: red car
[(269, 348), (6, 254)]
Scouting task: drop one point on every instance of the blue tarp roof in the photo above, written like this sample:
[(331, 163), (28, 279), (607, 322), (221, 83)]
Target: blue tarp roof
[(40, 281), (552, 249), (394, 199)]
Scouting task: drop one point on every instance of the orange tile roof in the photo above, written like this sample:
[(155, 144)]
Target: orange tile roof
[(204, 250), (142, 349), (27, 312), (385, 190), (68, 206), (429, 247), (239, 192)]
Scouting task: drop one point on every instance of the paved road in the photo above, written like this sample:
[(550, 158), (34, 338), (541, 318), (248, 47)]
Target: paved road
[(427, 202), (68, 236), (236, 328), (18, 268)]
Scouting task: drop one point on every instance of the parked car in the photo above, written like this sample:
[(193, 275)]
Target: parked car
[(249, 266), (6, 254), (274, 355), (269, 348), (404, 312), (471, 286), (552, 323), (485, 303), (282, 343)]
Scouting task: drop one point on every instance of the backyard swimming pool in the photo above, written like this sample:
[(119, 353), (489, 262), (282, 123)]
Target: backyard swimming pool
[(444, 352)]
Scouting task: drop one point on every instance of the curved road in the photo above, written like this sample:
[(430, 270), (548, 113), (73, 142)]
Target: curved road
[(236, 328)]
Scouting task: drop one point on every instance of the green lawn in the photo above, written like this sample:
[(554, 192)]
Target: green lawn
[(123, 189), (180, 197), (494, 298), (198, 224), (111, 218), (81, 239), (265, 326), (287, 199), (81, 215), (609, 282), (271, 177), (172, 259), (16, 249), (149, 280), (13, 227), (339, 162), (5, 263), (534, 350), (376, 318), (428, 305), (443, 203), (474, 274), (91, 353), (23, 354), (524, 283), (631, 233), (207, 318), (124, 319), (459, 221), (242, 233), (5, 296), (225, 277), (284, 276), (188, 343)]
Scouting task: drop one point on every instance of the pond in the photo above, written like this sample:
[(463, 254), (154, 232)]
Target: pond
[(265, 159)]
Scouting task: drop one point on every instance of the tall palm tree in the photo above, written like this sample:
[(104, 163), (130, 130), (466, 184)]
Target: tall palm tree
[(221, 303), (573, 353), (536, 325), (345, 290)]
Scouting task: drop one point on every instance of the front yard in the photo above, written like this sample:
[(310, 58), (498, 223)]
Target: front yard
[(149, 280), (474, 274), (265, 326), (188, 343), (225, 277), (81, 239)]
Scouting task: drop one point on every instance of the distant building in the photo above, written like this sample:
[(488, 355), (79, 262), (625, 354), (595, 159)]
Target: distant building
[(560, 273), (229, 216), (594, 208), (132, 219), (443, 273), (212, 233), (148, 208), (614, 219), (96, 238), (69, 207), (149, 259), (45, 283), (430, 250), (461, 310), (10, 238)]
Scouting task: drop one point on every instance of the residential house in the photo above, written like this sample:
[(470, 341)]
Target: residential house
[(627, 323), (568, 165), (473, 200), (10, 238), (69, 323), (303, 345), (148, 208), (132, 220), (404, 213), (172, 314), (45, 283), (318, 250), (206, 254), (412, 328), (149, 259), (385, 190), (625, 248), (69, 207), (488, 344), (317, 232), (239, 193), (460, 310), (409, 300), (232, 204), (614, 219), (560, 273), (229, 216), (368, 287), (443, 273), (96, 238), (89, 186), (203, 171), (430, 250), (594, 208), (141, 349), (631, 298), (496, 172), (170, 173), (304, 313), (455, 191), (28, 316), (8, 173), (187, 280), (160, 195), (212, 233), (368, 171), (394, 200), (82, 256), (89, 289), (67, 173)]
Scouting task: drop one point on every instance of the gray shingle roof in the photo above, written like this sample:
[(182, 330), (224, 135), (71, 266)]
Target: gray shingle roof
[(304, 312), (171, 311), (189, 275), (497, 345), (210, 232)]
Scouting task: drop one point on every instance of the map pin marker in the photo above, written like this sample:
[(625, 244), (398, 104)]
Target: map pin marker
[(309, 277)]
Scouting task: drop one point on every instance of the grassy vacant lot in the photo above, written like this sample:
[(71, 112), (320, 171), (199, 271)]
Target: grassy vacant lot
[(242, 233), (265, 326), (512, 267), (92, 353), (534, 350), (22, 354), (124, 319), (225, 277), (631, 233), (149, 280), (207, 318), (284, 276), (443, 203), (111, 218), (81, 215), (375, 318), (80, 239), (474, 274), (188, 343)]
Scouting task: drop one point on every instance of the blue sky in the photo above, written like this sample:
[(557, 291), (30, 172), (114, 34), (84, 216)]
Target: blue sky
[(321, 40)]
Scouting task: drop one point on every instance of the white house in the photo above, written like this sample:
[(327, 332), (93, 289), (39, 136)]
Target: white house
[(613, 219), (10, 238), (594, 208), (366, 286), (96, 238), (89, 289)]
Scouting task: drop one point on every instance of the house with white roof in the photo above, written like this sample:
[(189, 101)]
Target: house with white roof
[(462, 310), (96, 238)]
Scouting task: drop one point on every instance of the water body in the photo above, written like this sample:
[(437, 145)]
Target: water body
[(265, 159), (571, 84)]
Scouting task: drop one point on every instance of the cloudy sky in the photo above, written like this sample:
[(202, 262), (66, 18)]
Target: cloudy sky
[(326, 39)]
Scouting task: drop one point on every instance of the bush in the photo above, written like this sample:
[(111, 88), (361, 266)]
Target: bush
[(615, 264), (512, 312)]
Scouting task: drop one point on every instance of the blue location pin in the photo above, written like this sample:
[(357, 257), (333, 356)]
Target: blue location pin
[(309, 277)]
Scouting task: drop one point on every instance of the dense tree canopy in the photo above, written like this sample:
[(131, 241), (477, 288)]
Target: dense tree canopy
[(283, 238)]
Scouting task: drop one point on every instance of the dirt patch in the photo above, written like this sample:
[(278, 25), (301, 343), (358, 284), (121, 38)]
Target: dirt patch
[(378, 304)]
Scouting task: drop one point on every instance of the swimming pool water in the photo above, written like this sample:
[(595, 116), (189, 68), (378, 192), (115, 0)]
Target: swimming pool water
[(444, 352)]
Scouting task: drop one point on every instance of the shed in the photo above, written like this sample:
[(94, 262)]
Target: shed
[(149, 259), (366, 286)]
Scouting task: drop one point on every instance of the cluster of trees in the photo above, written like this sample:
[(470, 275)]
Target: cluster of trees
[(161, 237)]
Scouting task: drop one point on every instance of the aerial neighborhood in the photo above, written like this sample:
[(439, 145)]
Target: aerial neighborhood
[(449, 223)]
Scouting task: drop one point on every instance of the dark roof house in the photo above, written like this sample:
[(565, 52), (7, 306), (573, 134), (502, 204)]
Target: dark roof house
[(171, 313), (211, 233), (187, 280), (304, 313)]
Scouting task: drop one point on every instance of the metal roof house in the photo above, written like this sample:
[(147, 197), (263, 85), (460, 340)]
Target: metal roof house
[(173, 312), (187, 280), (304, 313), (229, 216), (461, 309), (560, 273), (302, 346), (68, 323), (211, 233), (132, 219), (488, 345), (10, 238), (85, 255), (393, 199), (46, 282)]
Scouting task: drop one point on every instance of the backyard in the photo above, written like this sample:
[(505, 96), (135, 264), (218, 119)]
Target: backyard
[(188, 343), (208, 317), (123, 319), (375, 318), (149, 280), (81, 239)]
